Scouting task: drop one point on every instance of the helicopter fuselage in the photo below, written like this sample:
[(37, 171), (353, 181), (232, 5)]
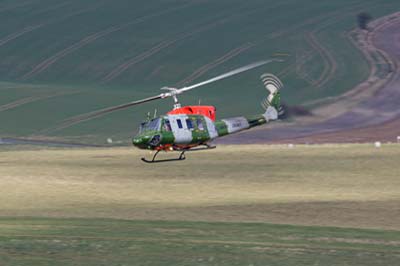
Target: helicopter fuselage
[(185, 131), (185, 128)]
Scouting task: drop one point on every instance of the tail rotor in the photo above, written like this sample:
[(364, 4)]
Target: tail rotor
[(273, 84)]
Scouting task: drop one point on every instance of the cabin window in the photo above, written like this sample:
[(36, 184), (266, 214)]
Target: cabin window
[(200, 125), (179, 123), (167, 125), (189, 124)]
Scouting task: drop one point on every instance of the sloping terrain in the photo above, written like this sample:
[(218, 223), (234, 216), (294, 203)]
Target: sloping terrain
[(367, 113), (60, 59)]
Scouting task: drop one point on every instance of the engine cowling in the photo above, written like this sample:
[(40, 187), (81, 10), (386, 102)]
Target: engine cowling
[(209, 111)]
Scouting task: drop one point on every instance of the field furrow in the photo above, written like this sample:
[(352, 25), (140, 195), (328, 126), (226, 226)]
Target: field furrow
[(42, 66)]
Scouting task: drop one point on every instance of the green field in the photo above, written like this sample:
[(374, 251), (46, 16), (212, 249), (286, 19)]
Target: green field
[(116, 242), (235, 205), (60, 59)]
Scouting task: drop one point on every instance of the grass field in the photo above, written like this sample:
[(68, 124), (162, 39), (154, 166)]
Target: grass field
[(321, 185), (60, 59), (116, 242), (219, 207)]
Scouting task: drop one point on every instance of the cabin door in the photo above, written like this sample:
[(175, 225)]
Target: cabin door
[(182, 134)]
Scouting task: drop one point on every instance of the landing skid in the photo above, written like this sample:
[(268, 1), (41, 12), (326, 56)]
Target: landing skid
[(180, 158), (153, 160)]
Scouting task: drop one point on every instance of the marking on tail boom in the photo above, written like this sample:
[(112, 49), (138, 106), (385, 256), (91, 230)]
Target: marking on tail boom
[(236, 124)]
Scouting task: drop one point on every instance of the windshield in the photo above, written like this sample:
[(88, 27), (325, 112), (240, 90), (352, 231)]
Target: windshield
[(153, 124)]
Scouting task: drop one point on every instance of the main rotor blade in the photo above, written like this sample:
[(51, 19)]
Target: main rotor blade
[(93, 114), (80, 118), (228, 74)]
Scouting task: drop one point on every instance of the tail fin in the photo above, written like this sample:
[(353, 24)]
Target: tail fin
[(273, 85)]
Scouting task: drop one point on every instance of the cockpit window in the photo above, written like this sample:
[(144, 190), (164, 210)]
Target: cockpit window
[(167, 125), (199, 124), (153, 124), (189, 124)]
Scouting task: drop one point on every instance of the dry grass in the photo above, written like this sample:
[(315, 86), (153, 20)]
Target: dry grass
[(346, 185)]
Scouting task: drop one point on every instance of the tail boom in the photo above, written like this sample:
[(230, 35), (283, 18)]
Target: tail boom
[(272, 106), (236, 124)]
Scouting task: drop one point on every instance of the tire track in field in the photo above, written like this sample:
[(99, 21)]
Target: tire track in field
[(332, 71), (17, 34), (31, 99), (29, 29), (329, 62), (18, 103), (280, 33), (45, 64), (207, 67), (158, 48), (326, 58), (165, 44), (137, 59), (330, 65), (303, 60)]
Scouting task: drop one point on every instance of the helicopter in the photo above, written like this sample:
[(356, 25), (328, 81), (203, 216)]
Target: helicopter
[(193, 127)]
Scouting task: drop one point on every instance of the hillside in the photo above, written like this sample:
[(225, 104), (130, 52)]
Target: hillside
[(63, 58)]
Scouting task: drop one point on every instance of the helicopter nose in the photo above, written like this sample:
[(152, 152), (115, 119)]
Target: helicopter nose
[(146, 141), (141, 141)]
